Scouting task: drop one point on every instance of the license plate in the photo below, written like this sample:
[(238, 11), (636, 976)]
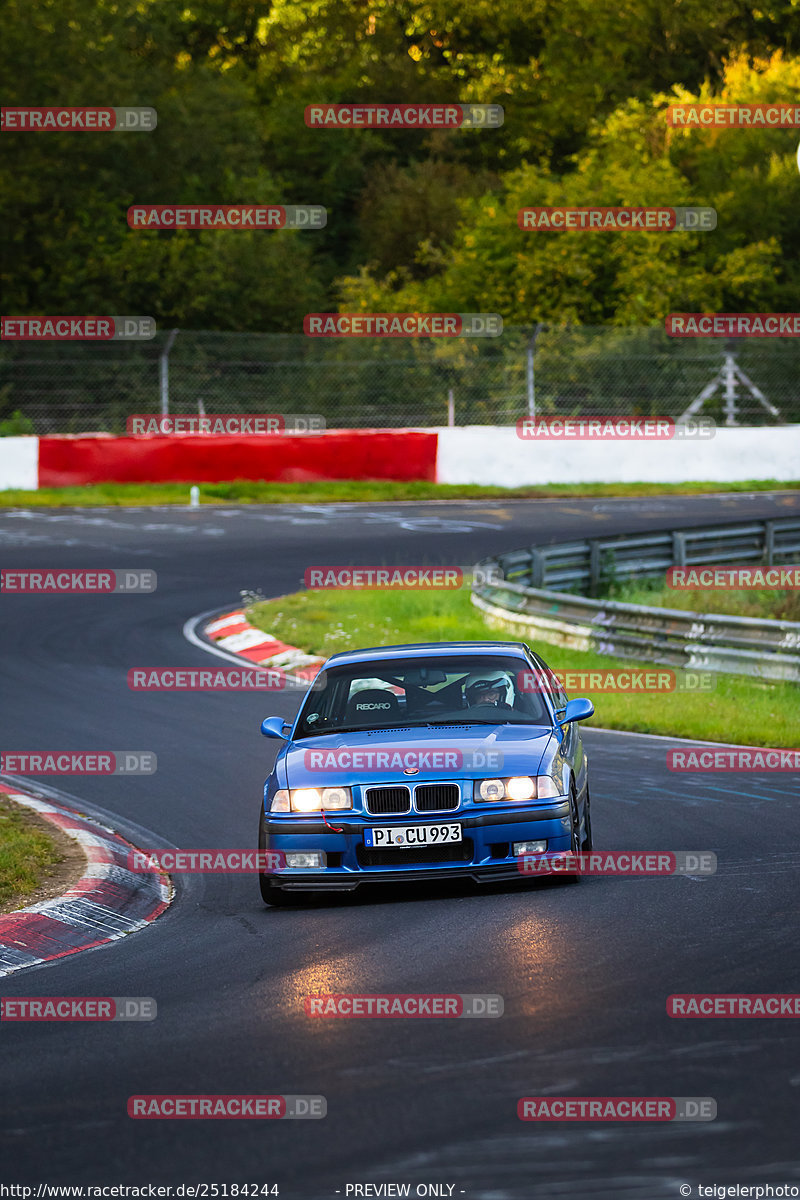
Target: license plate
[(406, 837)]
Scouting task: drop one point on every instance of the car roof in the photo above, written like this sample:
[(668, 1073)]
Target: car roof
[(427, 650)]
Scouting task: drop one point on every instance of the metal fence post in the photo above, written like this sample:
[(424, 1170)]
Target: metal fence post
[(531, 378), (769, 542), (163, 368), (537, 568), (594, 567), (451, 408)]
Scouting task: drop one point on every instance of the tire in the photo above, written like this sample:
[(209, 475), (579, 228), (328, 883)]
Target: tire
[(574, 836), (271, 895), (587, 823)]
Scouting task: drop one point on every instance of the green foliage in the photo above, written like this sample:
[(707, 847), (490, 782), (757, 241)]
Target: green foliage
[(245, 491), (27, 855), (416, 219), (17, 425)]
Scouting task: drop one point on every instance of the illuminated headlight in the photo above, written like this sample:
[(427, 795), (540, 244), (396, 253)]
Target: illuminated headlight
[(519, 787), (304, 859), (529, 848), (308, 800)]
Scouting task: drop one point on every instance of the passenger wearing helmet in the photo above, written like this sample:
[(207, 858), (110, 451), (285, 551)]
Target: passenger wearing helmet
[(489, 687)]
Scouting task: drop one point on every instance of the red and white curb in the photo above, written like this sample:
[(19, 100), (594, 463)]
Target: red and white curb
[(234, 633), (106, 903)]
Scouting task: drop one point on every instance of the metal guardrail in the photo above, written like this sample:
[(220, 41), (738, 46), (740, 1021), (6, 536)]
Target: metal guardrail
[(519, 590)]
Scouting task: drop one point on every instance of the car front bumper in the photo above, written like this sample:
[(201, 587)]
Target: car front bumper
[(484, 855)]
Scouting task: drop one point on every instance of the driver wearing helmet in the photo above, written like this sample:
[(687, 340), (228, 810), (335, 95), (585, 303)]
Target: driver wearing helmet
[(489, 687)]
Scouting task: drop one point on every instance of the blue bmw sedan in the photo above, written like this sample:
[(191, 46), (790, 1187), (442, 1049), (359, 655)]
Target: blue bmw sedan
[(450, 759)]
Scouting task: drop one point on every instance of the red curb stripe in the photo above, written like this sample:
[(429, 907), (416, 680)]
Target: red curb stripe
[(69, 923), (265, 651)]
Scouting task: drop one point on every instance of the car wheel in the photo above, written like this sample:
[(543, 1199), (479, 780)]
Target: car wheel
[(574, 835), (587, 823), (269, 893)]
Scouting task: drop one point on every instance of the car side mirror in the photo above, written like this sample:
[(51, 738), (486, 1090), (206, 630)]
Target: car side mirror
[(576, 710), (273, 727)]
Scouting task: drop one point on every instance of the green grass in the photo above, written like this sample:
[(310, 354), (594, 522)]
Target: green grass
[(326, 492), (25, 854), (739, 709), (774, 605)]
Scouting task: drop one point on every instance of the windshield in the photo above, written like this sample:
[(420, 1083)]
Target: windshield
[(473, 689)]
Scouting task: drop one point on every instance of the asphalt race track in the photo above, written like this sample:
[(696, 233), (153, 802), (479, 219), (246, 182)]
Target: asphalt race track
[(585, 971)]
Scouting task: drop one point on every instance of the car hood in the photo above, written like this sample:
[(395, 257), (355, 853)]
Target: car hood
[(481, 751)]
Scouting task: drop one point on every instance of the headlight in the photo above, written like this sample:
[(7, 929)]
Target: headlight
[(337, 798), (280, 802), (308, 800), (547, 788), (519, 787)]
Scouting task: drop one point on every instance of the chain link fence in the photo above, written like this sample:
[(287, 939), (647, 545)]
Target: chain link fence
[(78, 387)]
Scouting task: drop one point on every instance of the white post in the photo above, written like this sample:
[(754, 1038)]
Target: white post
[(540, 325), (531, 391)]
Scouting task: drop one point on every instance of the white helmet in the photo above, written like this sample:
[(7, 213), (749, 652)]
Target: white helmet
[(489, 681)]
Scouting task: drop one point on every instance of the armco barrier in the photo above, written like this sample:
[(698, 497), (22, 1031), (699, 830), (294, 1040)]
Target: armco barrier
[(405, 454), (711, 642), (585, 565)]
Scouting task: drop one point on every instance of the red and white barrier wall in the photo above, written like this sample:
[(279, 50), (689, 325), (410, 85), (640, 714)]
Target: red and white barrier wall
[(496, 456), (476, 454)]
